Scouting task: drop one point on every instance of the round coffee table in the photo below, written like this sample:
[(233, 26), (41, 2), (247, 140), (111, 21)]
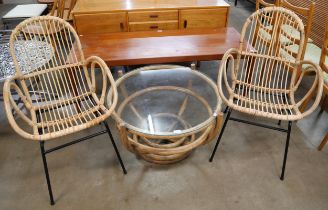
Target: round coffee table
[(164, 112)]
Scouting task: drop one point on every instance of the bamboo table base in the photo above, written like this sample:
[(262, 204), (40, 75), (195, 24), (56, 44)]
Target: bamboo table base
[(167, 149)]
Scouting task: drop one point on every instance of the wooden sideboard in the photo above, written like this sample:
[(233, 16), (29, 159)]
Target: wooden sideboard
[(108, 16)]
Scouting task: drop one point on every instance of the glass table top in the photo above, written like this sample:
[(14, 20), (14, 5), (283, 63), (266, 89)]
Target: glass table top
[(166, 100)]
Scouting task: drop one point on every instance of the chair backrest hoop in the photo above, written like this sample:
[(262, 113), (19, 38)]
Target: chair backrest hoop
[(276, 17), (47, 29)]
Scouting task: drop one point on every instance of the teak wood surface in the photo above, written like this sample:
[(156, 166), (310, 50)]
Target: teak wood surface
[(134, 48), (93, 6)]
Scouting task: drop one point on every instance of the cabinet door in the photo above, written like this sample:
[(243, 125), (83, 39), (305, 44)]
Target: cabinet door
[(203, 18), (100, 23)]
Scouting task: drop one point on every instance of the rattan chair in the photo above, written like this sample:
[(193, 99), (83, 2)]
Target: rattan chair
[(263, 79), (63, 9), (73, 98), (306, 14)]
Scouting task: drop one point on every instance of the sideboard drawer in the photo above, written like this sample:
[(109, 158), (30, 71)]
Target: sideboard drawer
[(100, 23), (153, 26), (153, 15), (203, 18)]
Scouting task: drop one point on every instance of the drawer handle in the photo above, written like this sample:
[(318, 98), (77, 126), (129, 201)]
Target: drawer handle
[(153, 16), (122, 26), (153, 27), (185, 24)]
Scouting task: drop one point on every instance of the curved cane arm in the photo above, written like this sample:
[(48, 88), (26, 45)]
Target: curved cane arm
[(10, 104), (94, 61), (316, 87), (222, 75)]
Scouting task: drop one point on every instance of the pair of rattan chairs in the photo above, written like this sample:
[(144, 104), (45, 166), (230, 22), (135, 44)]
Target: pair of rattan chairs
[(263, 81)]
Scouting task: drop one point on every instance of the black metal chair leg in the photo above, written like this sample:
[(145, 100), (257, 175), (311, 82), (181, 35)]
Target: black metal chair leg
[(221, 133), (225, 110), (282, 176), (115, 147), (45, 166)]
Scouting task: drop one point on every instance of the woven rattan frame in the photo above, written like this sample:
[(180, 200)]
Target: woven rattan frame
[(70, 102), (264, 77), (177, 150)]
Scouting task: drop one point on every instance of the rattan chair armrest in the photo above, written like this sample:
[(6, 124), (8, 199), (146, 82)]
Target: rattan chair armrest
[(94, 61), (222, 75), (10, 104), (316, 87)]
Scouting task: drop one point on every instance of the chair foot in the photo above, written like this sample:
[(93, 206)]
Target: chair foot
[(45, 166), (282, 176), (115, 148), (220, 136)]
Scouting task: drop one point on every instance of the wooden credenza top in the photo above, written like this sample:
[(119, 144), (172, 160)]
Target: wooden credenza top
[(151, 47), (95, 6)]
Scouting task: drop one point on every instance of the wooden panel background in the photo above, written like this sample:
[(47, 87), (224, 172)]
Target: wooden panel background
[(320, 18)]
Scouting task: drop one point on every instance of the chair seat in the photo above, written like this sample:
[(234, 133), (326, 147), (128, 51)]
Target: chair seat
[(70, 116), (26, 11), (284, 40), (40, 29), (263, 102), (312, 53)]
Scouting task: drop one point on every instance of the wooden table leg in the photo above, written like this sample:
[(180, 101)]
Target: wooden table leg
[(323, 143)]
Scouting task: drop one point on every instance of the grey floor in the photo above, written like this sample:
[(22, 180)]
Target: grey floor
[(244, 174)]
